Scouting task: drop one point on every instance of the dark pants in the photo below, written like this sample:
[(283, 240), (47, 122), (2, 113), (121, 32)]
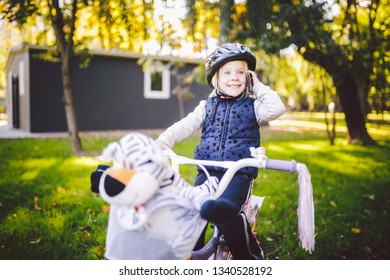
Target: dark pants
[(235, 228)]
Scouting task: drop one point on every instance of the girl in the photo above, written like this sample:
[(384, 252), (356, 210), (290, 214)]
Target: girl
[(230, 120)]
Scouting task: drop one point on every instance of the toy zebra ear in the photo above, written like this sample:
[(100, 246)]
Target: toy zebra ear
[(109, 151)]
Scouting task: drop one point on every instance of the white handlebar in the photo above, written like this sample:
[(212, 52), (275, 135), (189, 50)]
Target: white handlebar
[(260, 161), (282, 165)]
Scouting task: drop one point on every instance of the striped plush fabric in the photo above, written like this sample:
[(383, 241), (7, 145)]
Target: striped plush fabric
[(154, 212)]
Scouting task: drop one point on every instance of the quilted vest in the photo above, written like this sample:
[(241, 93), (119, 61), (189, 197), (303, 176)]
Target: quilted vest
[(230, 129)]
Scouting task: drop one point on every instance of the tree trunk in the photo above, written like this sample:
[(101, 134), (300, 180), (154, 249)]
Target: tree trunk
[(225, 20), (355, 119), (65, 47), (349, 94), (70, 111)]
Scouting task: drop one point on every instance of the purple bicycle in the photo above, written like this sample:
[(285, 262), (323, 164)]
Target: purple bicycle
[(215, 248)]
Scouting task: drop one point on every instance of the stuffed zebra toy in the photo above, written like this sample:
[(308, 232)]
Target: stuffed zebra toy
[(154, 212)]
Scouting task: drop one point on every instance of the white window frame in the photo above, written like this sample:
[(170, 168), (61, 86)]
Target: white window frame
[(166, 82)]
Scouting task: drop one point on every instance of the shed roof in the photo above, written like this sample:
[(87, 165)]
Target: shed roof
[(113, 53)]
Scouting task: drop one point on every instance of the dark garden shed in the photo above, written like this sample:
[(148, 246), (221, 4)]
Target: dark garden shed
[(113, 92)]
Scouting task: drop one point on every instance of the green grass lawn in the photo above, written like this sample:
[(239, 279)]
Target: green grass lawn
[(47, 210)]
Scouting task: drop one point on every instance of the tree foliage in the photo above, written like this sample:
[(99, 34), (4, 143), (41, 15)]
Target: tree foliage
[(114, 24), (71, 25), (201, 23), (347, 38)]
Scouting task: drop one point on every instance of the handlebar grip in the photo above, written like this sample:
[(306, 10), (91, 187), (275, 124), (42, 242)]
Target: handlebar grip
[(281, 165)]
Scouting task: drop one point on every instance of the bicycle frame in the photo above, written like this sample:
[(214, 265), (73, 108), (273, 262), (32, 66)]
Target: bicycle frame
[(216, 248)]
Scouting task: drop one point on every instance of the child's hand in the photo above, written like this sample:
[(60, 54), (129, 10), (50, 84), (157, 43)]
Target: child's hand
[(254, 77), (162, 145)]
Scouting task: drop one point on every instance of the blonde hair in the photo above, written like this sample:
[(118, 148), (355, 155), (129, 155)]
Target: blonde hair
[(214, 82)]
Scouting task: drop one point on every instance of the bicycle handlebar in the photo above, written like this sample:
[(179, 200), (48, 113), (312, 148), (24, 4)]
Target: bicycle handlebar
[(260, 161), (281, 165)]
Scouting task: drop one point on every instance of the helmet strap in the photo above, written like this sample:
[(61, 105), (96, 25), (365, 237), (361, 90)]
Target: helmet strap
[(227, 97)]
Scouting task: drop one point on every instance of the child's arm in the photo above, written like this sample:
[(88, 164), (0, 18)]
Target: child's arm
[(183, 128), (268, 105)]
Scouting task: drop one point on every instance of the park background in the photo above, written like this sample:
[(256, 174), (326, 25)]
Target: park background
[(314, 53)]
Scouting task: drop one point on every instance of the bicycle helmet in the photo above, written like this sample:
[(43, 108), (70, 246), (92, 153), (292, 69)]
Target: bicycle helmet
[(226, 53)]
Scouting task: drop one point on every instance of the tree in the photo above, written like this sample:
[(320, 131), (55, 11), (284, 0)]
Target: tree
[(182, 90), (351, 45), (226, 21), (62, 20), (121, 24), (345, 45)]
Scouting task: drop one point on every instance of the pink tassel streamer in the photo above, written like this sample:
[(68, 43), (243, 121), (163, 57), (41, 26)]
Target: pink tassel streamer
[(306, 227)]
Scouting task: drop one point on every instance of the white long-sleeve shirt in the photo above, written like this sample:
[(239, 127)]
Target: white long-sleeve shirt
[(268, 106)]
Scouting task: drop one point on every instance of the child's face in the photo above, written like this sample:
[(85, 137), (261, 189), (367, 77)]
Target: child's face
[(232, 77)]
